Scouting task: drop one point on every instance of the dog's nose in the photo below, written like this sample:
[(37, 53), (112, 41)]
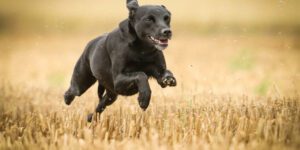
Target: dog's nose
[(166, 32)]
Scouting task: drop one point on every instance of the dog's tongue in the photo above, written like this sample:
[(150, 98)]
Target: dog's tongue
[(163, 41)]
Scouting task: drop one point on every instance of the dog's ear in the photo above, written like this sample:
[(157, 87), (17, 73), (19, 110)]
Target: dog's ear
[(127, 32), (132, 6), (163, 6)]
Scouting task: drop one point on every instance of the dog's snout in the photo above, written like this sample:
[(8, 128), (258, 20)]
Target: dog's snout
[(166, 32)]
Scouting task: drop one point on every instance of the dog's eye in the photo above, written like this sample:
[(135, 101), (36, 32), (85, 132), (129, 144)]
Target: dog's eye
[(150, 19), (167, 19)]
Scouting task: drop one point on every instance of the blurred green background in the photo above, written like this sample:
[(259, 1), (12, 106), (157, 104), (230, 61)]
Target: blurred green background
[(221, 46)]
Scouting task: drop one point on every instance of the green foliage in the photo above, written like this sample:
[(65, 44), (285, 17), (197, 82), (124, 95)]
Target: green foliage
[(263, 87), (244, 60)]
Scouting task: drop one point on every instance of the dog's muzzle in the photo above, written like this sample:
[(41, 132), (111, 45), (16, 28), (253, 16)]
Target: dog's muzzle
[(159, 43)]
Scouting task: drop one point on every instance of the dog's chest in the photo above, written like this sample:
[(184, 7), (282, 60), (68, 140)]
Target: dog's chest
[(139, 63)]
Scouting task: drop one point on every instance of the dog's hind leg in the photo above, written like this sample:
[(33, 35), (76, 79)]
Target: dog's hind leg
[(108, 99), (101, 90), (82, 79)]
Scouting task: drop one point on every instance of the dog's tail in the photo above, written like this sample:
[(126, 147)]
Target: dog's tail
[(69, 97)]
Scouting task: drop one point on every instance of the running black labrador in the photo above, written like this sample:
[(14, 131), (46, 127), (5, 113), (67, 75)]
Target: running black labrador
[(123, 60)]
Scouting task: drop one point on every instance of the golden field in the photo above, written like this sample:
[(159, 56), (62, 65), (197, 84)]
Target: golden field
[(237, 64)]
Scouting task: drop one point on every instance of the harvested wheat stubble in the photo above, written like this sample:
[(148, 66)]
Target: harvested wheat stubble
[(39, 120)]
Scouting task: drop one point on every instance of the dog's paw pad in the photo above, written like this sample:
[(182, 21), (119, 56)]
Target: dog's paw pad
[(171, 81), (165, 81)]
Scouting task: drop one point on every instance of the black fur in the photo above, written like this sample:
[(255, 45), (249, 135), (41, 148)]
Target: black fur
[(123, 60)]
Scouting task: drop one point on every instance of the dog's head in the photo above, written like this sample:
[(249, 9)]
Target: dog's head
[(149, 24)]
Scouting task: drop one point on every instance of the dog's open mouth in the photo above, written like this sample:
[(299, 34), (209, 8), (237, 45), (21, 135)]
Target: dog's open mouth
[(161, 41)]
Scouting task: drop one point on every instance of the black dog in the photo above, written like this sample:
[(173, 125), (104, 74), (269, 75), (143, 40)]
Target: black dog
[(123, 60)]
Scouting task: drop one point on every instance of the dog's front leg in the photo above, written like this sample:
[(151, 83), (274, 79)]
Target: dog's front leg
[(123, 82), (164, 78)]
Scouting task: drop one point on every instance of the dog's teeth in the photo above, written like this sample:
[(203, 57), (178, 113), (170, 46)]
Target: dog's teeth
[(157, 41)]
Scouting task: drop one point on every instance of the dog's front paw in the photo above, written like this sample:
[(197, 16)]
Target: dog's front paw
[(169, 81), (144, 99)]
